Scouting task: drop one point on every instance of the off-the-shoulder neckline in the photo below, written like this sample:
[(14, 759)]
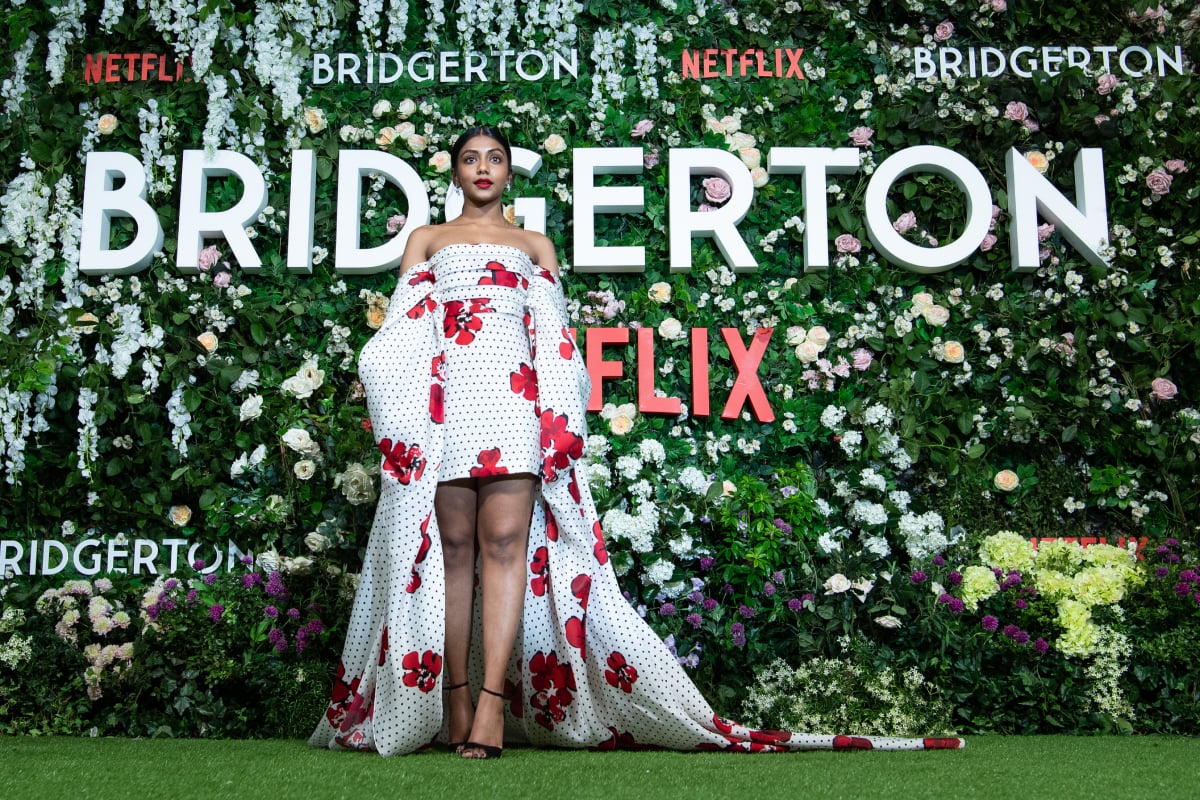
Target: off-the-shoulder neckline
[(480, 244)]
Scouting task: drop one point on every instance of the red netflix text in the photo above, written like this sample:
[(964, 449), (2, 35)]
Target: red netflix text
[(756, 63), (126, 67)]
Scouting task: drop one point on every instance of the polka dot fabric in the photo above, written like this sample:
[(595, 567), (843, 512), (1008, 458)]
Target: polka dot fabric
[(586, 670)]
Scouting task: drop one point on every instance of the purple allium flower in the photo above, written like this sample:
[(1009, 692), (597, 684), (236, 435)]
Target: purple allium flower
[(1183, 589), (199, 564), (1196, 598), (945, 597), (1162, 550), (727, 588), (247, 560), (783, 526), (301, 640), (795, 604), (1019, 603), (170, 584), (1172, 543), (918, 577), (709, 604), (275, 586), (1162, 572), (807, 597), (955, 578), (746, 611), (695, 620), (1021, 637), (777, 576), (215, 611), (1040, 645), (706, 562), (251, 579), (315, 627), (1190, 576), (737, 632), (294, 613), (153, 611), (989, 623), (768, 589), (1011, 631), (696, 596), (167, 604), (192, 598), (209, 579), (278, 638), (271, 611), (666, 610), (957, 606), (938, 561)]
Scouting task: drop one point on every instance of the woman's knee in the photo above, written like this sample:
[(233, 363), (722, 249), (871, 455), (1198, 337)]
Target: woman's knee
[(503, 545)]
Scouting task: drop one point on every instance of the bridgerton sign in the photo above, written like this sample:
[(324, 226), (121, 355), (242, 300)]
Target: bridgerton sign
[(112, 555)]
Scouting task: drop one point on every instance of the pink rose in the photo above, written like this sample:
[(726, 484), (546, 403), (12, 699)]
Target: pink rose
[(1163, 389), (1106, 83), (1045, 231), (1030, 124), (847, 244), (650, 159), (1159, 182), (999, 6), (208, 257), (641, 129), (905, 222), (221, 280), (1175, 165), (1100, 119), (395, 223), (716, 190), (861, 359), (704, 208), (1016, 111), (988, 243), (861, 136), (943, 31)]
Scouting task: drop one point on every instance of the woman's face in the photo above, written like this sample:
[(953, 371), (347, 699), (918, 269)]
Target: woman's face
[(482, 169)]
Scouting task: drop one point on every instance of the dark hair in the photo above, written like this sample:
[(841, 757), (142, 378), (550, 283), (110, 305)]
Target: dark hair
[(471, 133)]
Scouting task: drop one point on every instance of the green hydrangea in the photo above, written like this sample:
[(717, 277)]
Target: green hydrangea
[(978, 584), (1007, 550), (1059, 554), (1080, 635)]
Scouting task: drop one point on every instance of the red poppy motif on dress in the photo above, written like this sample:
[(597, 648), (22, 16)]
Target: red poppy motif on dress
[(573, 488), (437, 396), (763, 736), (600, 550), (566, 348), (576, 633), (423, 306), (581, 587), (514, 695), (560, 446), (940, 743), (618, 741), (547, 274), (488, 463), (553, 686), (462, 320), (414, 582), (551, 525), (422, 669), (620, 674), (342, 697), (539, 565), (503, 276), (851, 743), (524, 382), (426, 540), (421, 277), (403, 463)]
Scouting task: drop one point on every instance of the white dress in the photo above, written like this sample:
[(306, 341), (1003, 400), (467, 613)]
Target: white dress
[(475, 372)]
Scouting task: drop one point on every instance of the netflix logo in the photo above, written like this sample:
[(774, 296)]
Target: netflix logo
[(129, 67), (782, 62)]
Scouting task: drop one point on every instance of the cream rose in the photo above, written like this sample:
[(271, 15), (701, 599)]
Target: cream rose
[(953, 352), (208, 340), (660, 292), (300, 440), (251, 408), (819, 336), (181, 515), (86, 323), (759, 177), (305, 469), (299, 565), (751, 157), (386, 136), (356, 484), (316, 542), (1006, 480), (670, 329), (375, 317), (417, 143), (1038, 161), (921, 301), (406, 109), (837, 583), (314, 118), (740, 141), (796, 335), (936, 315), (381, 108), (728, 488), (405, 130), (554, 144), (889, 622), (440, 161), (106, 124), (620, 424), (808, 352)]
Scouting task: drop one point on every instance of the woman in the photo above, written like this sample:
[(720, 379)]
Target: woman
[(477, 398)]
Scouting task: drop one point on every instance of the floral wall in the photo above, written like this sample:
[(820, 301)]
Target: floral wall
[(188, 473)]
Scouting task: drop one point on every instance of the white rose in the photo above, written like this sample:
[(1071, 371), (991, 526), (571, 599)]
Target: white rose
[(888, 622), (311, 372), (731, 124), (440, 161), (251, 408), (921, 301), (305, 469), (299, 440), (670, 329), (621, 425), (796, 335), (837, 584), (300, 565), (936, 315), (554, 144), (417, 143), (298, 387), (953, 352), (1006, 480), (268, 560), (751, 157), (808, 352), (106, 124), (406, 109), (381, 108), (314, 118), (406, 130), (316, 542), (759, 177), (819, 336), (740, 141), (660, 292)]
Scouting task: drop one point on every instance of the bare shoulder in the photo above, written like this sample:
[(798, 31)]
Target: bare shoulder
[(416, 249), (542, 248)]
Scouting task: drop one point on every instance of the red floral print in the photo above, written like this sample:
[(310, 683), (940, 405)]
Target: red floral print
[(422, 669), (437, 397), (600, 550), (462, 320), (423, 306), (581, 587), (551, 525), (421, 277), (488, 464), (502, 276), (539, 565), (426, 540), (414, 582), (851, 743), (403, 463), (576, 633), (722, 725), (383, 646), (515, 697), (553, 686), (547, 274), (768, 737), (620, 674), (573, 488), (560, 446), (566, 348), (940, 743), (524, 382)]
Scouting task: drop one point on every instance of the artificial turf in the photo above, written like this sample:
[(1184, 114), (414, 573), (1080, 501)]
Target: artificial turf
[(1056, 767)]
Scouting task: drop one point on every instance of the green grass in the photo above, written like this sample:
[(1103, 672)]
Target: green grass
[(1056, 767)]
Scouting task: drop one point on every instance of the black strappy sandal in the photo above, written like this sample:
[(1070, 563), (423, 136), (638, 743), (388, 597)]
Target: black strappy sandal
[(457, 747), (488, 750)]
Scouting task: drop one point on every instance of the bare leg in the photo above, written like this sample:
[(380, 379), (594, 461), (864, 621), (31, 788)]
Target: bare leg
[(502, 525), (455, 504)]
